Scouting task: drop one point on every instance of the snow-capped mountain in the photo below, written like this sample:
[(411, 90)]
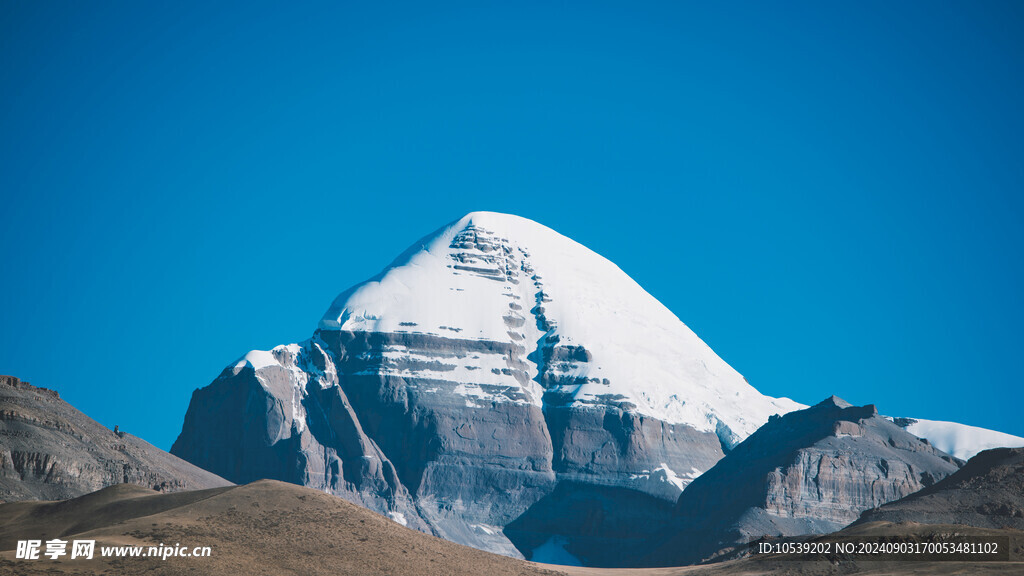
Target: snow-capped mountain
[(492, 361), (495, 382)]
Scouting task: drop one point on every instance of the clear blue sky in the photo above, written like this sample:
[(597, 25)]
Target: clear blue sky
[(828, 193)]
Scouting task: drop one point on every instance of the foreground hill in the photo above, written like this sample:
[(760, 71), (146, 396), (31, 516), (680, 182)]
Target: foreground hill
[(50, 451), (273, 528), (266, 527)]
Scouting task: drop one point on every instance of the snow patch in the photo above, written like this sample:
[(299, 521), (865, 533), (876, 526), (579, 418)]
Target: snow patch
[(259, 359), (288, 357), (486, 529), (961, 440), (663, 475), (471, 390), (398, 517)]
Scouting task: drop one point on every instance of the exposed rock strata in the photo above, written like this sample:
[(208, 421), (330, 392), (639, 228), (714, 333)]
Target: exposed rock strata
[(810, 471), (51, 451), (988, 492)]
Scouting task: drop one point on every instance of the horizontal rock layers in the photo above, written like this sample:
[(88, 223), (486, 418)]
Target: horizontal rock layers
[(51, 451), (809, 471), (988, 492)]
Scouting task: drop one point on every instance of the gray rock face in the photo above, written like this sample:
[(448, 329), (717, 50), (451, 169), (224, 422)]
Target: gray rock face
[(810, 471), (609, 446), (472, 465), (51, 451), (332, 415), (988, 492), (290, 421)]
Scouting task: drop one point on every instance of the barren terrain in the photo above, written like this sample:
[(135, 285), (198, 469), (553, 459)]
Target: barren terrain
[(270, 527)]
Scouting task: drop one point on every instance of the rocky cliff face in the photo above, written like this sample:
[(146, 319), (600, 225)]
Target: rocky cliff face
[(809, 471), (988, 492), (51, 451), (490, 364), (286, 418)]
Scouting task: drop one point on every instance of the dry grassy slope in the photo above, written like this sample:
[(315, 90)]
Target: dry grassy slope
[(110, 506), (273, 528), (266, 527)]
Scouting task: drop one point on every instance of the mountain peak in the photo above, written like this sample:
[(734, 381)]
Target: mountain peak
[(834, 401), (492, 277), (485, 218)]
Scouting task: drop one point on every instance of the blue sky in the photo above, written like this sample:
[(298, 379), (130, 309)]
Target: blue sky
[(828, 193)]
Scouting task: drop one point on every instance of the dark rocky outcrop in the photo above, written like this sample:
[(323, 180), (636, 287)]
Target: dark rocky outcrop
[(808, 472), (596, 525), (988, 492), (51, 451), (291, 421)]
